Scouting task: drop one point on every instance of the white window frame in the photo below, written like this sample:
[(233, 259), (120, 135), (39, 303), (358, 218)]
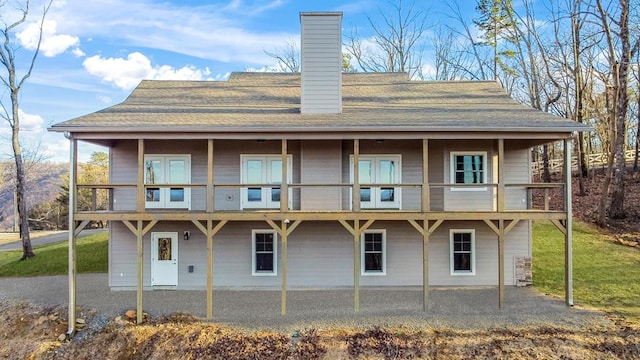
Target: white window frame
[(363, 270), (454, 272), (266, 202), (452, 171), (254, 272), (376, 201), (165, 192)]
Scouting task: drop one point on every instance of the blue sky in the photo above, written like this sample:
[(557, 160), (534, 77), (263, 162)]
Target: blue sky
[(95, 52)]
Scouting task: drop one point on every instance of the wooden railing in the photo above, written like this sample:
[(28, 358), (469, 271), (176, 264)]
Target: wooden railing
[(594, 160), (536, 196)]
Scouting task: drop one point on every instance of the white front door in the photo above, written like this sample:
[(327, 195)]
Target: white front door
[(164, 258)]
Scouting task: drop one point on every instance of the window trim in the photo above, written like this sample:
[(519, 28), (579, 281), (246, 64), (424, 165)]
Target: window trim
[(254, 272), (364, 272), (376, 203), (165, 191), (265, 203), (454, 272), (485, 172)]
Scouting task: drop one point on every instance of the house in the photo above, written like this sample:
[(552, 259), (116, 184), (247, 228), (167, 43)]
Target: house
[(251, 182)]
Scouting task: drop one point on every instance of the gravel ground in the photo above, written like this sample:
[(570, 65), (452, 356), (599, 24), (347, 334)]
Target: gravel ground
[(465, 308)]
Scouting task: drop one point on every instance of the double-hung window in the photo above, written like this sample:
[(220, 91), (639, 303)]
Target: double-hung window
[(264, 249), (469, 167), (264, 175), (462, 251), (373, 258), (167, 170), (379, 169)]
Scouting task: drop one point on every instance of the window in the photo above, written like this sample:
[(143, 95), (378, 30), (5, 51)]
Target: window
[(379, 169), (462, 252), (373, 252), (264, 249), (259, 170), (167, 169), (468, 168)]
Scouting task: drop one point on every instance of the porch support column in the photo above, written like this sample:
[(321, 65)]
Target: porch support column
[(425, 230), (210, 190), (284, 230), (355, 198), (425, 265), (140, 193), (356, 262), (283, 289), (501, 234), (73, 163), (209, 235), (284, 186), (568, 245), (139, 308)]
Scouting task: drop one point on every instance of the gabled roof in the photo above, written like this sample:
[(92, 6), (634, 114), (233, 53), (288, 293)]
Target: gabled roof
[(270, 102)]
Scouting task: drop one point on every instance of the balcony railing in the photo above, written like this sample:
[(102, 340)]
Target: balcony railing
[(435, 197)]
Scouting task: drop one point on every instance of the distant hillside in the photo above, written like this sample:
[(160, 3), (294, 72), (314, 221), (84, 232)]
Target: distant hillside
[(43, 185)]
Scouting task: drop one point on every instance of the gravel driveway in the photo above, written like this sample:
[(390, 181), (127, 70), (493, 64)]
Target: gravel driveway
[(467, 308)]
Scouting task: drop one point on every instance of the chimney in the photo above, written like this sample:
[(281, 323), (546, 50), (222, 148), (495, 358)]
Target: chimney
[(321, 47)]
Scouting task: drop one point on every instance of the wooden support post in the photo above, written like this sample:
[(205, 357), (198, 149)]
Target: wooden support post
[(356, 265), (209, 269), (210, 189), (283, 290), (140, 195), (355, 198), (501, 263), (73, 163), (139, 308), (568, 243), (209, 231), (425, 264), (284, 186), (426, 202)]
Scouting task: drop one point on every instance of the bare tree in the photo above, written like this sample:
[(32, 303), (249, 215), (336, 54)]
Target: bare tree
[(288, 57), (619, 54), (396, 45), (13, 83)]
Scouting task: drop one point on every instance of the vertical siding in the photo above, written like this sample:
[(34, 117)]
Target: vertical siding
[(321, 163), (123, 168), (436, 173), (321, 62), (517, 164)]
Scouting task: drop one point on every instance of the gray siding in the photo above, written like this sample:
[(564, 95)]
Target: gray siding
[(321, 163), (321, 63), (517, 171), (320, 255), (477, 199)]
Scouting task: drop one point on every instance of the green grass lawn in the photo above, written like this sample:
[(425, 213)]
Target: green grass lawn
[(605, 275), (92, 253)]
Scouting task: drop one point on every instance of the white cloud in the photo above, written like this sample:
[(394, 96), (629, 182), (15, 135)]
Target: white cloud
[(127, 73), (30, 122), (52, 44), (211, 31)]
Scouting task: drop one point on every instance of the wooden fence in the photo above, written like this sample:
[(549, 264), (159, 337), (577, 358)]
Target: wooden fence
[(594, 160)]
